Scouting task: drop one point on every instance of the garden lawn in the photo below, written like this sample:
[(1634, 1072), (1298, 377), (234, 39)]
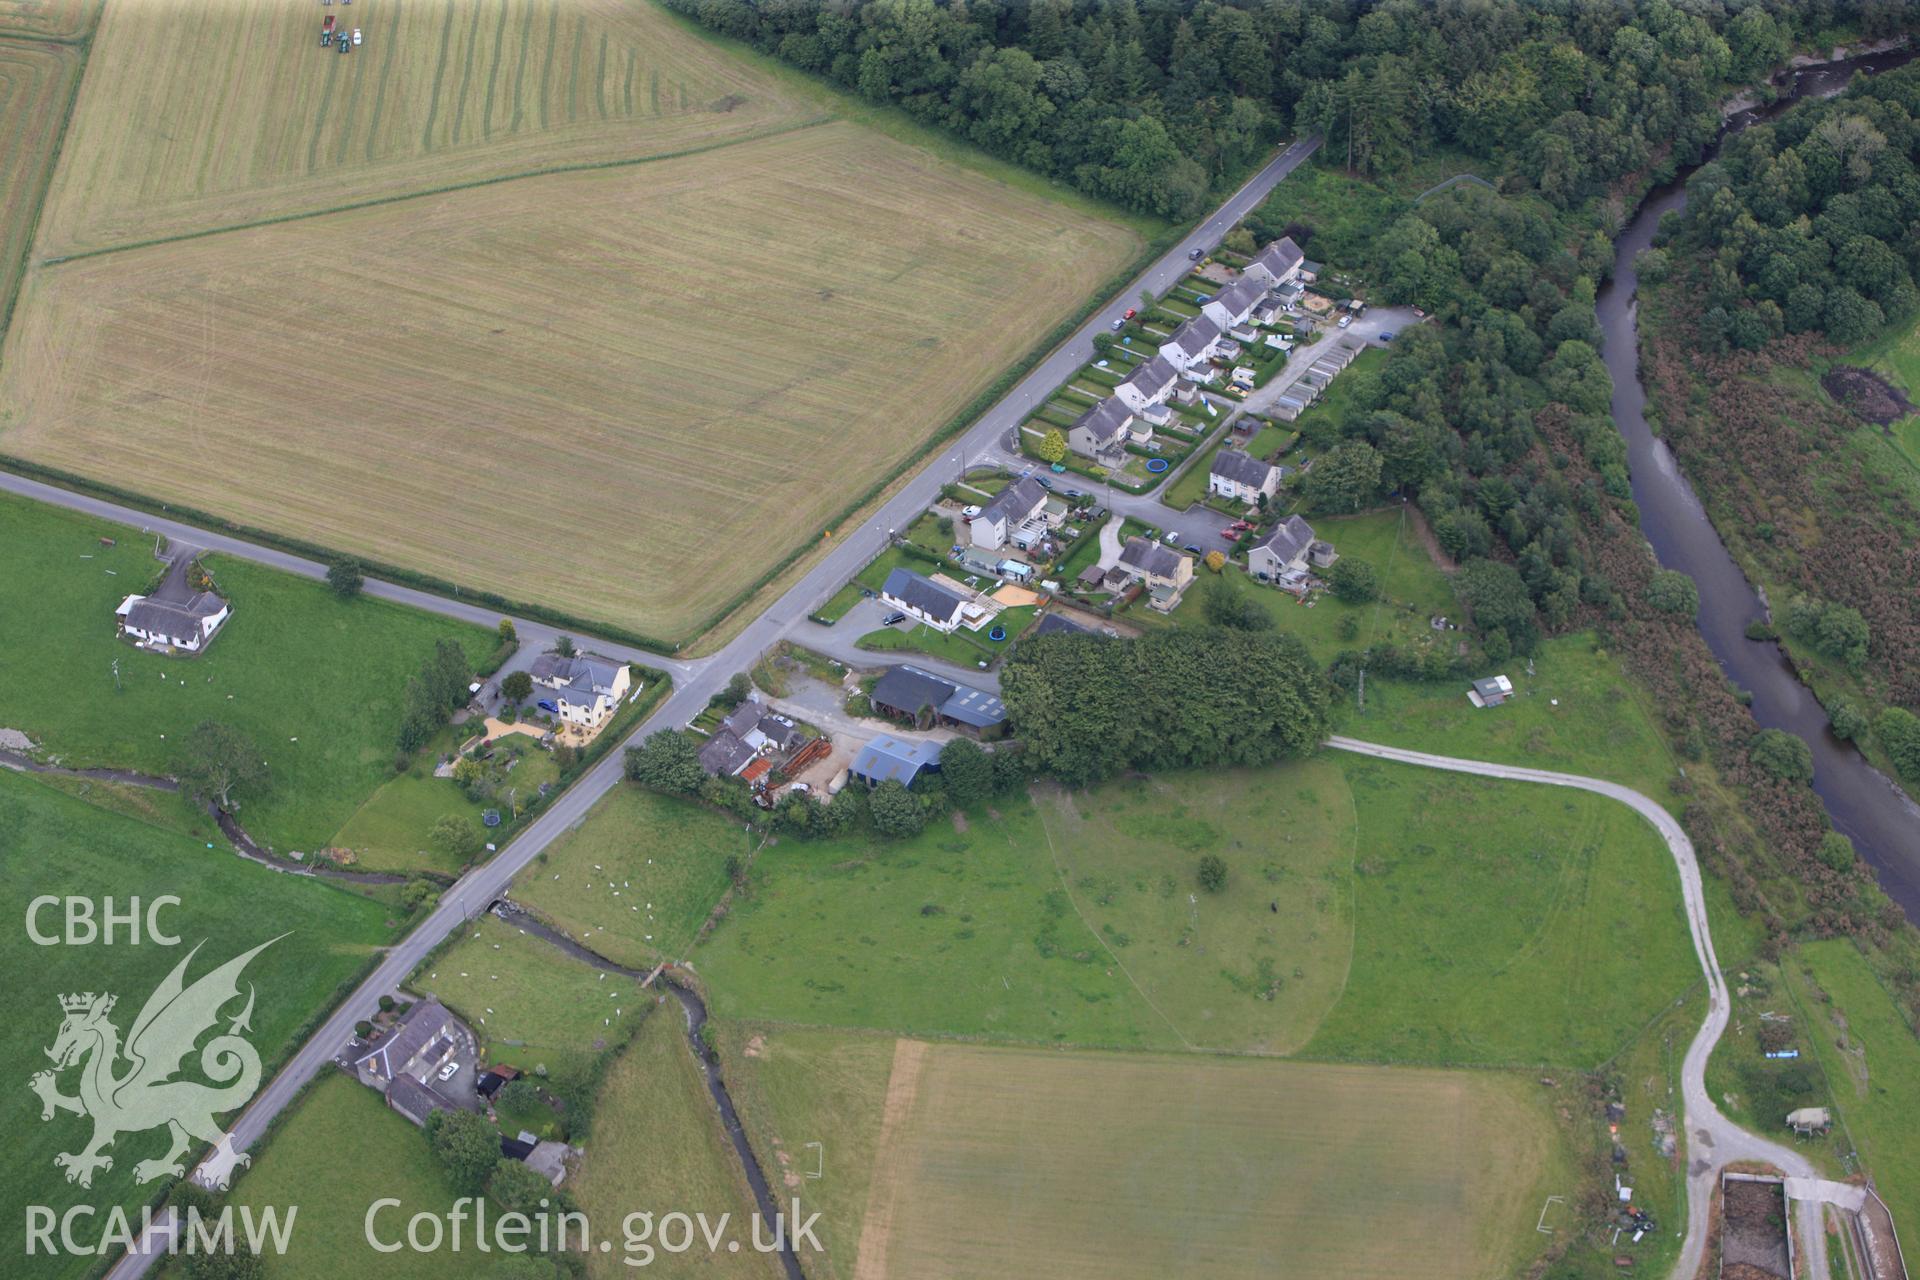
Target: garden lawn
[(637, 878), (531, 1002), (658, 1146), (964, 648), (56, 845), (319, 1159), (1502, 923), (390, 831), (315, 681), (874, 576), (1191, 487), (1872, 1063)]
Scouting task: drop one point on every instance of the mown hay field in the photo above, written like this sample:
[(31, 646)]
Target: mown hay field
[(36, 84), (197, 117), (625, 393), (952, 1160), (48, 19)]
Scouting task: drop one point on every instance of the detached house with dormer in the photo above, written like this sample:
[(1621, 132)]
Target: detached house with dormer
[(1019, 504), (1283, 551), (1102, 432), (584, 688), (1277, 264)]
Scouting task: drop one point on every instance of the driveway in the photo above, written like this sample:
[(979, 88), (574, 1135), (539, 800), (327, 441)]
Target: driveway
[(1713, 1141)]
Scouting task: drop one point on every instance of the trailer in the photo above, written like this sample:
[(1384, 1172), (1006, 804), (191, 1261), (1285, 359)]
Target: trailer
[(326, 32)]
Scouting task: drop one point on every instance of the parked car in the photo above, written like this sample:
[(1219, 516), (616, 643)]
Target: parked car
[(1345, 321), (868, 592), (1118, 325), (449, 1071), (1173, 536), (1131, 313), (1196, 254), (356, 35), (893, 619), (1386, 335), (1073, 493), (969, 512), (1192, 550), (1045, 483)]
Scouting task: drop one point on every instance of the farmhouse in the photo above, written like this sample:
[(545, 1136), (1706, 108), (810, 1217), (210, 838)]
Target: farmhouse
[(1150, 383), (1163, 571), (403, 1061), (1102, 431), (1021, 504), (1192, 343), (1278, 264), (1490, 692), (924, 600), (1283, 550), (924, 699), (584, 689), (1241, 477), (888, 758), (183, 626)]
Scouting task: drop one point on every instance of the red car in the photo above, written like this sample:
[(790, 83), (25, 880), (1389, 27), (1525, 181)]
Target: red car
[(1131, 313)]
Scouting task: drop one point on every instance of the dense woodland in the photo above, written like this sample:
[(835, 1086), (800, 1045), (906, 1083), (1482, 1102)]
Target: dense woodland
[(1801, 238), (1155, 103)]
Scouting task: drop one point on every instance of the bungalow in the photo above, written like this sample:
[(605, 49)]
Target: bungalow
[(187, 625), (1012, 507), (1279, 263), (1192, 343), (584, 688), (1232, 305), (923, 599), (1163, 571), (1101, 432), (1490, 692), (891, 759), (1149, 384), (1241, 477), (912, 694), (1284, 548)]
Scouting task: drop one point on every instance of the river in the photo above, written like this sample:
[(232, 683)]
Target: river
[(1882, 821)]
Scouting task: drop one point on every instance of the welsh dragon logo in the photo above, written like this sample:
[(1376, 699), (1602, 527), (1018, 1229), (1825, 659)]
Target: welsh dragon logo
[(144, 1095)]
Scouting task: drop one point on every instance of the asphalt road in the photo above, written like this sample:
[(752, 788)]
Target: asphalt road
[(1713, 1141), (695, 682)]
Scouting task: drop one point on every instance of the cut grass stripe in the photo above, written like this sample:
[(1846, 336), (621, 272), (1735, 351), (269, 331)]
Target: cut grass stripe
[(600, 79), (493, 74), (466, 72), (439, 73), (379, 98), (520, 71), (321, 122), (546, 63), (573, 67)]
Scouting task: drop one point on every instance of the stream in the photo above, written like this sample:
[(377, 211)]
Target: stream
[(696, 1012), (1882, 821)]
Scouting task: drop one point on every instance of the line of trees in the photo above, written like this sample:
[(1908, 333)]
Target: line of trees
[(434, 694), (1151, 103)]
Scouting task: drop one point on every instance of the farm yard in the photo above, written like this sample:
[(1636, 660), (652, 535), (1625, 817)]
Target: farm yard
[(966, 1160), (37, 79), (388, 381), (227, 114), (58, 844)]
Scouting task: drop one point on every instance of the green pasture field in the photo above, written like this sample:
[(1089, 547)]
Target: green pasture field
[(58, 845), (1492, 923), (315, 681), (1870, 1058), (532, 1003), (1502, 923), (390, 832), (658, 1146), (640, 864), (965, 1160), (335, 1152), (1898, 356)]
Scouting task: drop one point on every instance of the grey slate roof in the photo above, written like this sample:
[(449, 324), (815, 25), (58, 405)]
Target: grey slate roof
[(1239, 297), (1280, 257), (1106, 420), (583, 674), (724, 755), (1241, 468), (1054, 623), (176, 621), (744, 718), (908, 688), (1151, 377), (1289, 539), (923, 593), (1015, 503), (419, 1025), (1195, 335), (1150, 558), (414, 1100), (781, 732), (888, 758)]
